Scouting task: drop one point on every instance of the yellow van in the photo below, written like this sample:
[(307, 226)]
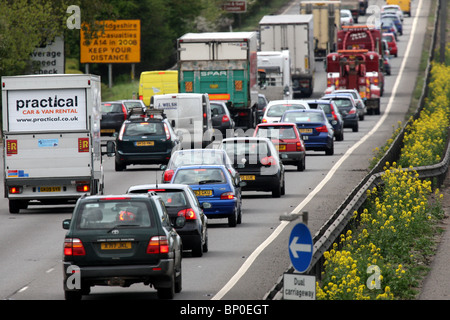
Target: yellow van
[(405, 5), (157, 82)]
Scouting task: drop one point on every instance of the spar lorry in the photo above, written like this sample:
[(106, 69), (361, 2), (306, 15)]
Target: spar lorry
[(327, 21), (223, 65), (295, 34), (51, 139)]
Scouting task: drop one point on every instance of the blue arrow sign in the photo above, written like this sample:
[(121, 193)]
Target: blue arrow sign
[(300, 247)]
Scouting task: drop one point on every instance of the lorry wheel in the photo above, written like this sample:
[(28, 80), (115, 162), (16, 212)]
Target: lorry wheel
[(15, 206)]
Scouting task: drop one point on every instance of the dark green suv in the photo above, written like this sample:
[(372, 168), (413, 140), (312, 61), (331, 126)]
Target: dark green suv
[(121, 240)]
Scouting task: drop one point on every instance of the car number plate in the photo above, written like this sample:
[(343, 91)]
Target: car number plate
[(115, 245), (145, 143), (203, 193), (305, 130), (247, 177), (281, 147), (108, 130), (50, 189)]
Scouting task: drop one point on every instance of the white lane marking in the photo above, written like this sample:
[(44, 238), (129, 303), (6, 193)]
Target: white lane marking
[(247, 264)]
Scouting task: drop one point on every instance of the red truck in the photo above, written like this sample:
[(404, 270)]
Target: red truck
[(356, 69)]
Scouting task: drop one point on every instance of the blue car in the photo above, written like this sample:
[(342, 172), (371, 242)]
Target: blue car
[(213, 184), (395, 19), (317, 132)]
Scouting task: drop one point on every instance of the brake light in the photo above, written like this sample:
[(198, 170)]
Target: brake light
[(158, 244), (166, 129), (168, 174), (73, 247), (352, 111), (189, 214), (122, 130), (227, 196), (15, 190), (125, 112), (322, 129), (299, 146), (264, 120), (268, 161), (225, 118), (83, 188), (141, 98), (334, 115)]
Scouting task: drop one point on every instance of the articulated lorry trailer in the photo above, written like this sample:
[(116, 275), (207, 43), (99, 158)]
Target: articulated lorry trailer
[(327, 22), (223, 65), (51, 139)]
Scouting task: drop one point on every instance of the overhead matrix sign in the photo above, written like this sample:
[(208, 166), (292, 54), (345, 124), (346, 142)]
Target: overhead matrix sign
[(118, 42)]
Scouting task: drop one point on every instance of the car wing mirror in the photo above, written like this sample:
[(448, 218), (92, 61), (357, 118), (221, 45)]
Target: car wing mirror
[(66, 224)]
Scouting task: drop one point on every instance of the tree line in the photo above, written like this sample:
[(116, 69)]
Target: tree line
[(27, 24)]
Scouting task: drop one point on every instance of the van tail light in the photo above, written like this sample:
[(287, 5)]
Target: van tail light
[(83, 188), (141, 98), (264, 120), (15, 190), (268, 161), (168, 174), (322, 129), (189, 214), (227, 196), (73, 247), (166, 129), (158, 244), (225, 118)]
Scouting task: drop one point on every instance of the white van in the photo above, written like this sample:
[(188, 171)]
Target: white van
[(190, 116)]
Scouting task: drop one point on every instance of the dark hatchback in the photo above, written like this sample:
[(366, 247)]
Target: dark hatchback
[(114, 113), (221, 117), (257, 161), (149, 140), (180, 200), (347, 107), (120, 240)]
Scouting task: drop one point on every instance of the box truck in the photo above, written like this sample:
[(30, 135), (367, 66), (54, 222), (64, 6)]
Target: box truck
[(223, 65), (157, 82), (51, 139), (295, 34)]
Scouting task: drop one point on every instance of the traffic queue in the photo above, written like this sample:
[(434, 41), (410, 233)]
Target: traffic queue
[(208, 161)]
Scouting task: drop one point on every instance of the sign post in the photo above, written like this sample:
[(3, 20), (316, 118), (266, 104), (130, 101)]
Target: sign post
[(298, 286)]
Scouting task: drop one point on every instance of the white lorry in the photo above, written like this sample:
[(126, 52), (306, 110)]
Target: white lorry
[(274, 74), (189, 115), (294, 33), (51, 139)]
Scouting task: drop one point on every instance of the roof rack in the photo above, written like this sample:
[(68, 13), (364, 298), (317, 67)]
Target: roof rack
[(140, 113)]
